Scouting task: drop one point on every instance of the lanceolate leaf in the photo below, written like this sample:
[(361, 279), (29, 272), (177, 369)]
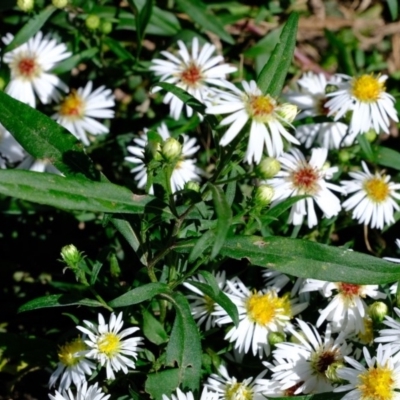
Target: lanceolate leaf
[(139, 294), (307, 259), (387, 157), (272, 76)]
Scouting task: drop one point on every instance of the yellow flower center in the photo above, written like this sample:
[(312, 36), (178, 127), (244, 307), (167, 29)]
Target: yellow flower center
[(191, 75), (305, 180), (109, 344), (67, 353), (376, 384), (266, 308), (261, 108), (72, 106), (367, 88), (367, 337), (377, 189), (238, 391)]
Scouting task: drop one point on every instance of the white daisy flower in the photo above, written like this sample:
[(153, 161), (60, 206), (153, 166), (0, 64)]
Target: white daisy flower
[(228, 388), (301, 177), (308, 365), (347, 308), (193, 72), (29, 65), (38, 165), (84, 393), (108, 346), (311, 97), (373, 202), (10, 150), (260, 313), (201, 305), (73, 366), (365, 96), (205, 395), (76, 112), (390, 336), (378, 380), (185, 169), (268, 120)]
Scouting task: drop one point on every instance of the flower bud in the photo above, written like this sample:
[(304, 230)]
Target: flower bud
[(378, 311), (2, 83), (264, 195), (171, 149), (344, 156), (288, 112), (71, 256), (331, 372), (370, 135), (268, 168), (25, 5), (106, 27), (92, 22), (115, 269), (60, 3), (276, 337), (192, 185)]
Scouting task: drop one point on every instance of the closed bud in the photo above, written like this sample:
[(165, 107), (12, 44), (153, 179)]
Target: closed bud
[(106, 27), (268, 168), (370, 135), (378, 311), (60, 3), (171, 149), (344, 155), (288, 112), (264, 195), (115, 269), (25, 5), (276, 337), (331, 372), (92, 22), (192, 185), (71, 256)]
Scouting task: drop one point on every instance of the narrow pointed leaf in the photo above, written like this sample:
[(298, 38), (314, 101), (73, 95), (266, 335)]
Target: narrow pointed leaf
[(139, 294), (387, 157)]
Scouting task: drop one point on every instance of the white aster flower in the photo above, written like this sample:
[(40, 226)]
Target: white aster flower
[(73, 366), (205, 395), (108, 345), (390, 336), (260, 313), (10, 150), (347, 308), (301, 177), (378, 380), (38, 165), (268, 120), (185, 169), (29, 65), (201, 305), (308, 365), (76, 112), (365, 96), (228, 388), (84, 393), (373, 202), (195, 72)]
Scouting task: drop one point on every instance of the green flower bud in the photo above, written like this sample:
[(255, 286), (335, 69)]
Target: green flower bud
[(191, 185), (71, 256), (115, 269), (331, 372), (2, 83), (378, 311), (344, 156), (60, 3), (288, 112), (370, 135), (92, 22), (276, 337), (106, 27), (268, 168), (25, 5), (171, 149), (264, 195)]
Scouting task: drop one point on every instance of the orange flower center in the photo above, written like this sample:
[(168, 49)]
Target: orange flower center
[(27, 67), (305, 180), (349, 289), (191, 75)]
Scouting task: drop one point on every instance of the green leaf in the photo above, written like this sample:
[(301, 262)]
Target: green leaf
[(202, 244), (71, 62), (95, 272), (198, 12), (162, 383), (277, 210), (143, 18), (272, 76), (393, 8), (366, 147), (152, 329), (33, 26), (118, 49), (184, 347), (387, 157), (139, 294), (224, 218), (72, 193), (307, 259), (58, 300), (220, 298)]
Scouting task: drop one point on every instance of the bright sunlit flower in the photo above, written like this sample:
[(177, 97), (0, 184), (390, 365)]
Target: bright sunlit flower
[(107, 344), (76, 112), (373, 202), (29, 65), (197, 72), (72, 366), (366, 97), (347, 308), (379, 380), (83, 393), (260, 313), (301, 177), (268, 120)]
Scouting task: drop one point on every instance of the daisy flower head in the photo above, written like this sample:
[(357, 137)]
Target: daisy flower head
[(260, 313), (301, 177), (374, 199), (229, 388), (10, 150), (72, 366), (107, 344), (366, 97), (378, 380), (198, 72), (29, 65), (347, 309), (184, 170), (268, 120), (78, 110), (308, 365), (85, 392)]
